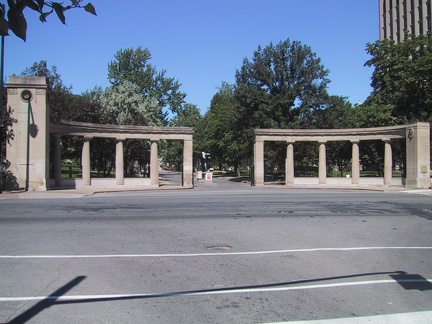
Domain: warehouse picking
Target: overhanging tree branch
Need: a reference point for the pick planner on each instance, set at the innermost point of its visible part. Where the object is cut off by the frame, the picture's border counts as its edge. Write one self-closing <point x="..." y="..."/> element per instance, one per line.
<point x="16" y="22"/>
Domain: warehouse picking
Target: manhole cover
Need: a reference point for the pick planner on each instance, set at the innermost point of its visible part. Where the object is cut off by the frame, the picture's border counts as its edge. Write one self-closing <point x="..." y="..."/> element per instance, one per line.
<point x="219" y="247"/>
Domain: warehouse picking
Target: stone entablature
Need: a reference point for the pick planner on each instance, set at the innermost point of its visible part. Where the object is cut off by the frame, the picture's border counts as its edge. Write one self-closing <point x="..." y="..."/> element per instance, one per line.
<point x="327" y="135"/>
<point x="72" y="128"/>
<point x="417" y="138"/>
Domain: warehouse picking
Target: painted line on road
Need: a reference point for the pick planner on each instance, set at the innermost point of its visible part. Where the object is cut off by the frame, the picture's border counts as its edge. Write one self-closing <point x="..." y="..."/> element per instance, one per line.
<point x="218" y="291"/>
<point x="160" y="255"/>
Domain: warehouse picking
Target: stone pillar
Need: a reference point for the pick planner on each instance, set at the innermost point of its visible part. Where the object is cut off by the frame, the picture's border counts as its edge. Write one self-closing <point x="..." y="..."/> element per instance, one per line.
<point x="85" y="162"/>
<point x="28" y="152"/>
<point x="57" y="160"/>
<point x="388" y="163"/>
<point x="154" y="164"/>
<point x="259" y="162"/>
<point x="418" y="156"/>
<point x="355" y="168"/>
<point x="322" y="170"/>
<point x="188" y="163"/>
<point x="119" y="162"/>
<point x="289" y="165"/>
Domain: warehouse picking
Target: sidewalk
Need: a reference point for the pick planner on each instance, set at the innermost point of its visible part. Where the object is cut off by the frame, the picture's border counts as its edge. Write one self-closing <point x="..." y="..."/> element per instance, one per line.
<point x="170" y="182"/>
<point x="74" y="193"/>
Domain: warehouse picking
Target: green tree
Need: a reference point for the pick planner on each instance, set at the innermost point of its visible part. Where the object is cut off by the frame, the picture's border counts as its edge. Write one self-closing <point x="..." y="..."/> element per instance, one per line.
<point x="220" y="129"/>
<point x="278" y="88"/>
<point x="123" y="104"/>
<point x="131" y="65"/>
<point x="60" y="98"/>
<point x="188" y="116"/>
<point x="375" y="115"/>
<point x="16" y="21"/>
<point x="285" y="82"/>
<point x="403" y="76"/>
<point x="335" y="113"/>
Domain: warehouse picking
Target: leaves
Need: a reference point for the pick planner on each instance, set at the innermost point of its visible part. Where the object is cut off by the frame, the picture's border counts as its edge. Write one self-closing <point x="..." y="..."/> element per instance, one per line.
<point x="4" y="27"/>
<point x="131" y="65"/>
<point x="285" y="79"/>
<point x="59" y="11"/>
<point x="41" y="4"/>
<point x="403" y="76"/>
<point x="43" y="16"/>
<point x="17" y="22"/>
<point x="90" y="8"/>
<point x="32" y="5"/>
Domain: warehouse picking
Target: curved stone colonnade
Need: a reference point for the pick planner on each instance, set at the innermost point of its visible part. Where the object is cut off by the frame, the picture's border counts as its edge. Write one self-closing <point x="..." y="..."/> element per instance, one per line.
<point x="29" y="152"/>
<point x="417" y="151"/>
<point x="120" y="133"/>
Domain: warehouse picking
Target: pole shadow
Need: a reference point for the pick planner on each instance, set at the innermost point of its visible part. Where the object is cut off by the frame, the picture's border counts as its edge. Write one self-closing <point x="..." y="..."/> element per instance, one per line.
<point x="407" y="281"/>
<point x="47" y="302"/>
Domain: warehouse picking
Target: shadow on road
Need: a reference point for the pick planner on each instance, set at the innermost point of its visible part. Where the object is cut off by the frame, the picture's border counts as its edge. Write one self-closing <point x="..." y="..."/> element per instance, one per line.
<point x="47" y="302"/>
<point x="407" y="281"/>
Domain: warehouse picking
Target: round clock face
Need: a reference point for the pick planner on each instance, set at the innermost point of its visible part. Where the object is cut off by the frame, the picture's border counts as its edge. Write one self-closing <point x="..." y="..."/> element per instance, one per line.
<point x="26" y="95"/>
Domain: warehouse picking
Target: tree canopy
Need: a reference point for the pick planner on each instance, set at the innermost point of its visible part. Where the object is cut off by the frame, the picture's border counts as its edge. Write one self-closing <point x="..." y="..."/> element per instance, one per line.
<point x="277" y="88"/>
<point x="220" y="128"/>
<point x="280" y="84"/>
<point x="132" y="65"/>
<point x="403" y="76"/>
<point x="124" y="105"/>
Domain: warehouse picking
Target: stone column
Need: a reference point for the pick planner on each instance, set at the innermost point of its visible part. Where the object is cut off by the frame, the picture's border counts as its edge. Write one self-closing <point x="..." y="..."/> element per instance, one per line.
<point x="289" y="165"/>
<point x="187" y="163"/>
<point x="322" y="170"/>
<point x="355" y="168"/>
<point x="119" y="162"/>
<point x="388" y="163"/>
<point x="154" y="164"/>
<point x="259" y="162"/>
<point x="418" y="156"/>
<point x="85" y="162"/>
<point x="57" y="160"/>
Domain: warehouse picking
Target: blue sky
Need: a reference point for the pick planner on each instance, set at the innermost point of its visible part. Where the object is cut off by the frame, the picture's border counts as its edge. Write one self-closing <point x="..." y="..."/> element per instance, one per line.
<point x="200" y="42"/>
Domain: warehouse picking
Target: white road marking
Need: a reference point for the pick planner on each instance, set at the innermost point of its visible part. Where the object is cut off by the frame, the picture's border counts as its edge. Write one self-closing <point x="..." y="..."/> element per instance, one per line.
<point x="159" y="255"/>
<point x="427" y="192"/>
<point x="405" y="318"/>
<point x="216" y="291"/>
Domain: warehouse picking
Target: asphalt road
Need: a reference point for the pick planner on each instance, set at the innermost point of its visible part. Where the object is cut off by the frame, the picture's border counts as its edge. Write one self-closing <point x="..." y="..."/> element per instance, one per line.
<point x="220" y="253"/>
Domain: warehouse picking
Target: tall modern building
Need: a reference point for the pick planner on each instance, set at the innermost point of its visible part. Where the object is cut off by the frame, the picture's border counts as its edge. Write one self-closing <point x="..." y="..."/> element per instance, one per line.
<point x="400" y="16"/>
